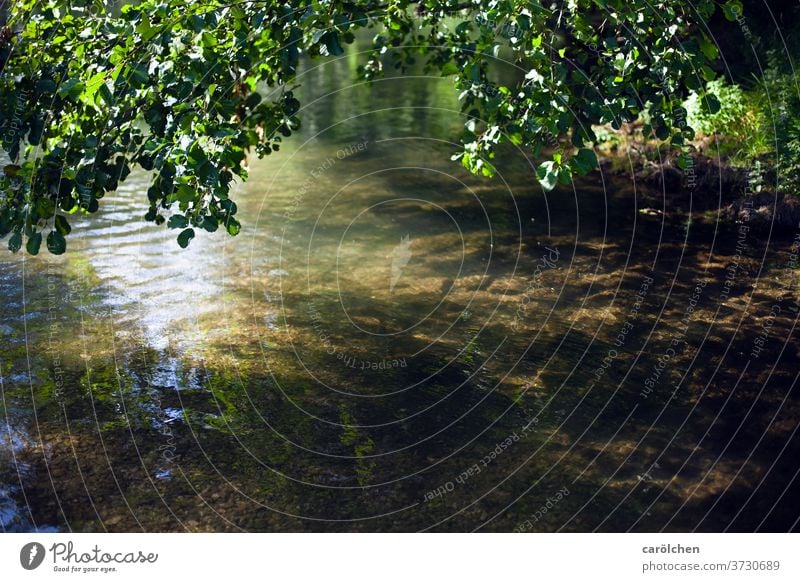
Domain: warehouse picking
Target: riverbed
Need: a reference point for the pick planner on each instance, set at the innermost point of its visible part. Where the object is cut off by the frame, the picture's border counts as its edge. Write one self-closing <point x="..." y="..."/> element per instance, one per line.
<point x="393" y="344"/>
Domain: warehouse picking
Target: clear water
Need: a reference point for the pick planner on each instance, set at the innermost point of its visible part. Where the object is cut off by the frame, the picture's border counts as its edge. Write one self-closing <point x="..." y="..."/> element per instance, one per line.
<point x="394" y="344"/>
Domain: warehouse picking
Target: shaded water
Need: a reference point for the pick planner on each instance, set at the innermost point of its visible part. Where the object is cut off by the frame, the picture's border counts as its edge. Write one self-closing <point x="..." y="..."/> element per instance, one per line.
<point x="394" y="344"/>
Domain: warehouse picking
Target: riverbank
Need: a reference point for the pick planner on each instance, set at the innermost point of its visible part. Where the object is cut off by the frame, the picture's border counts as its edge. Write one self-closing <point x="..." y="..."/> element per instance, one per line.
<point x="708" y="188"/>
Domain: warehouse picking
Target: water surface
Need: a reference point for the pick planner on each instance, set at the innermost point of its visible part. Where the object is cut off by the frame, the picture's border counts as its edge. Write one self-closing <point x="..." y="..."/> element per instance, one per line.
<point x="392" y="344"/>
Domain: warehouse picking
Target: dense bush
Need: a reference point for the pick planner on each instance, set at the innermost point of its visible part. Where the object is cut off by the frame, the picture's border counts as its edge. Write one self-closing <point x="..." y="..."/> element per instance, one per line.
<point x="756" y="127"/>
<point x="738" y="130"/>
<point x="779" y="97"/>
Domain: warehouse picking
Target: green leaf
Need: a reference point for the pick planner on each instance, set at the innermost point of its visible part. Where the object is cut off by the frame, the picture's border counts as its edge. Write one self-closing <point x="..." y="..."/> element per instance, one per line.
<point x="712" y="103"/>
<point x="34" y="242"/>
<point x="341" y="22"/>
<point x="37" y="127"/>
<point x="71" y="88"/>
<point x="291" y="53"/>
<point x="62" y="225"/>
<point x="233" y="226"/>
<point x="15" y="242"/>
<point x="464" y="29"/>
<point x="709" y="48"/>
<point x="332" y="43"/>
<point x="359" y="18"/>
<point x="547" y="175"/>
<point x="56" y="243"/>
<point x="210" y="223"/>
<point x="46" y="86"/>
<point x="252" y="100"/>
<point x="137" y="75"/>
<point x="707" y="73"/>
<point x="92" y="87"/>
<point x="178" y="221"/>
<point x="732" y="10"/>
<point x="105" y="95"/>
<point x="588" y="157"/>
<point x="229" y="206"/>
<point x="564" y="175"/>
<point x="208" y="39"/>
<point x="449" y="68"/>
<point x="185" y="236"/>
<point x="197" y="22"/>
<point x="185" y="193"/>
<point x="145" y="29"/>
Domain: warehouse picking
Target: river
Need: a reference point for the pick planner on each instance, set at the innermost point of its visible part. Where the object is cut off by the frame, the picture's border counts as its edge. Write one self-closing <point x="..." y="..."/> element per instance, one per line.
<point x="393" y="344"/>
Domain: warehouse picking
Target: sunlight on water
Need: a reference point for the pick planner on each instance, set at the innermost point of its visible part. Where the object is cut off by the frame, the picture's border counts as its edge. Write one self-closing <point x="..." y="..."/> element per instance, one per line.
<point x="394" y="344"/>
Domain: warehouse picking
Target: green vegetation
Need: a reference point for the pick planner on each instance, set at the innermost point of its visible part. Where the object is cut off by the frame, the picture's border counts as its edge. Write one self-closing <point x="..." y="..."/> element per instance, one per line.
<point x="187" y="90"/>
<point x="738" y="128"/>
<point x="780" y="102"/>
<point x="757" y="127"/>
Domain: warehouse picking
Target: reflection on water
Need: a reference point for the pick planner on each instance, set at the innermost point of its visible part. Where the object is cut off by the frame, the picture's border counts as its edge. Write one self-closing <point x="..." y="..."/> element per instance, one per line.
<point x="393" y="344"/>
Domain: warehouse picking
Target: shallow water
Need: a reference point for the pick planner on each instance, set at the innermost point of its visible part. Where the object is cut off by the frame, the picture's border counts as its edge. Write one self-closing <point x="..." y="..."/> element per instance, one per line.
<point x="394" y="344"/>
